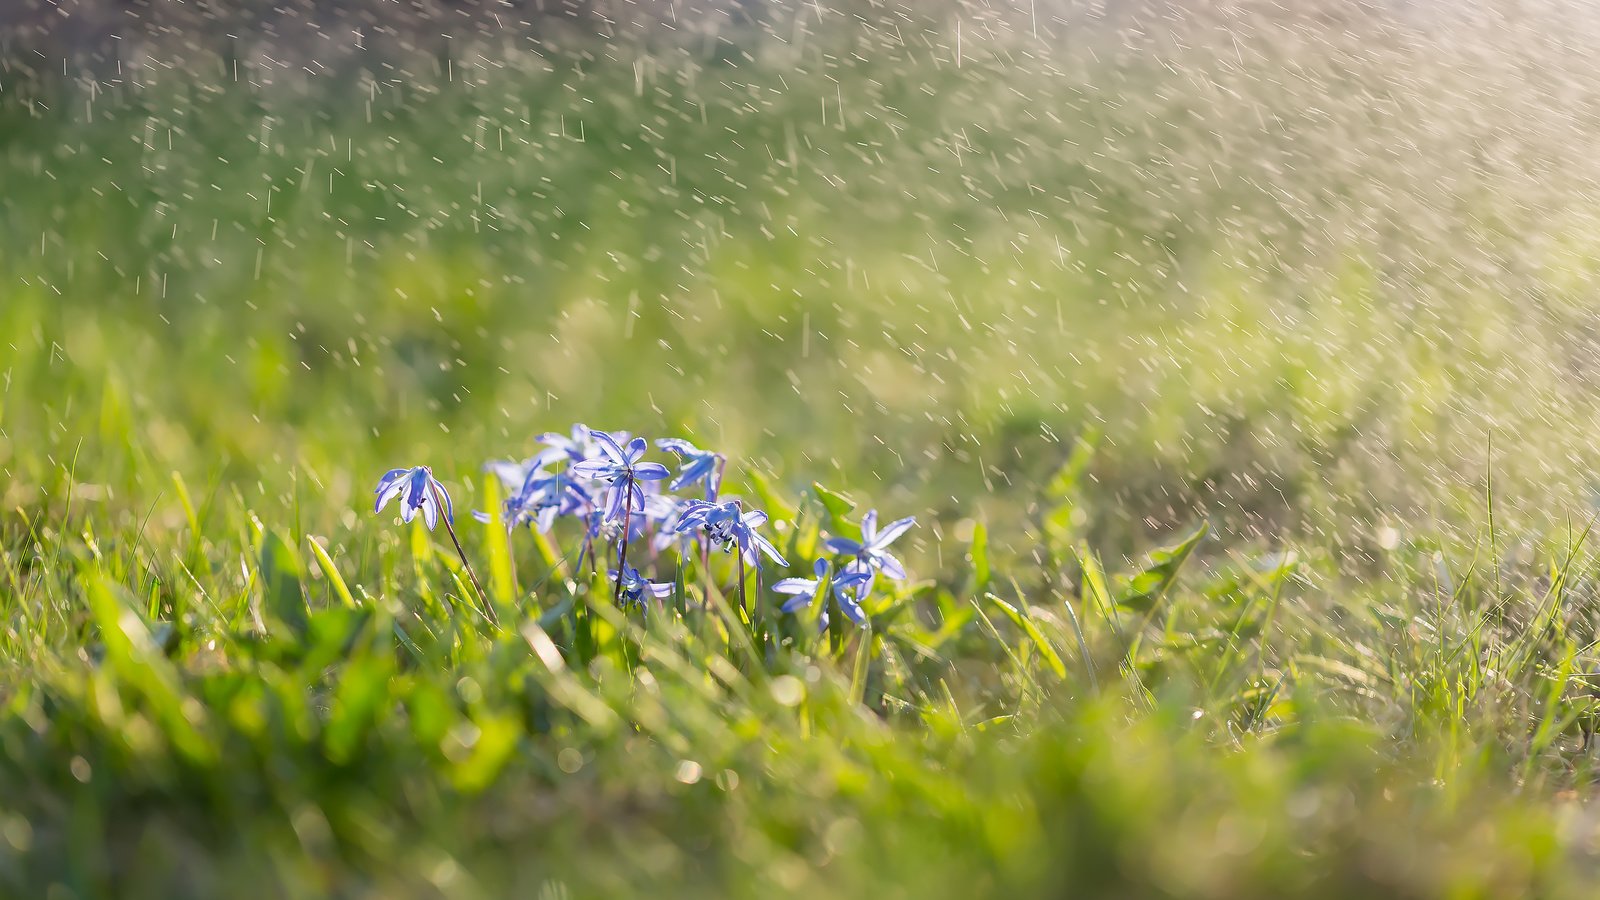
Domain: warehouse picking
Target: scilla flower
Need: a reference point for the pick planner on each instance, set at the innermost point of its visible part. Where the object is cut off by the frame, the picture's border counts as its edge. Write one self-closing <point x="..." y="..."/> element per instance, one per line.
<point x="869" y="554"/>
<point x="515" y="474"/>
<point x="632" y="586"/>
<point x="847" y="587"/>
<point x="729" y="526"/>
<point x="539" y="499"/>
<point x="623" y="468"/>
<point x="579" y="446"/>
<point x="418" y="491"/>
<point x="699" y="466"/>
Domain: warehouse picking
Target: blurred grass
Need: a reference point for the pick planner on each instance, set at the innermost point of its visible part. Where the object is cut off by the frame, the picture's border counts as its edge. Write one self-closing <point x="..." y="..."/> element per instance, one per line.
<point x="1315" y="284"/>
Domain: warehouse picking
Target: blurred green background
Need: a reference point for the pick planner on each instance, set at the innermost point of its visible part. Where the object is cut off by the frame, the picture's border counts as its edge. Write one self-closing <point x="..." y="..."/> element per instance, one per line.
<point x="1299" y="284"/>
<point x="1322" y="278"/>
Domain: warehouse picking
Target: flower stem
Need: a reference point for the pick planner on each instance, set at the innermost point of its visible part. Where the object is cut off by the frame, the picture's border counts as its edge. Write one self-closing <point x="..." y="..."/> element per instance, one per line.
<point x="627" y="525"/>
<point x="738" y="555"/>
<point x="488" y="607"/>
<point x="511" y="560"/>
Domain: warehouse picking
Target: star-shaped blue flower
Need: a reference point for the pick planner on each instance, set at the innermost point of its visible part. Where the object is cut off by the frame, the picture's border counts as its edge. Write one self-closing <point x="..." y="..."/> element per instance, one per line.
<point x="697" y="466"/>
<point x="849" y="588"/>
<point x="623" y="469"/>
<point x="870" y="554"/>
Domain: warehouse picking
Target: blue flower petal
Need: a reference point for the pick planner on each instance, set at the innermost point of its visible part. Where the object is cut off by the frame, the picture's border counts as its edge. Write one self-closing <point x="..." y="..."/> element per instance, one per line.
<point x="592" y="468"/>
<point x="891" y="531"/>
<point x="438" y="492"/>
<point x="807" y="586"/>
<point x="609" y="446"/>
<point x="650" y="471"/>
<point x="389" y="478"/>
<point x="795" y="604"/>
<point x="842" y="546"/>
<point x="395" y="488"/>
<point x="417" y="487"/>
<point x="888" y="565"/>
<point x="765" y="546"/>
<point x="678" y="446"/>
<point x="513" y="474"/>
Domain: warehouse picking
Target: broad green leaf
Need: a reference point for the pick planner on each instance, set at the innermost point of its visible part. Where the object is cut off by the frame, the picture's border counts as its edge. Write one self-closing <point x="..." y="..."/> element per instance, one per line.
<point x="979" y="551"/>
<point x="858" y="673"/>
<point x="498" y="541"/>
<point x="1094" y="580"/>
<point x="361" y="696"/>
<point x="187" y="503"/>
<point x="1143" y="590"/>
<point x="135" y="658"/>
<point x="332" y="636"/>
<point x="495" y="739"/>
<point x="282" y="593"/>
<point x="1040" y="642"/>
<point x="1066" y="478"/>
<point x="430" y="711"/>
<point x="838" y="507"/>
<point x="774" y="504"/>
<point x="331" y="572"/>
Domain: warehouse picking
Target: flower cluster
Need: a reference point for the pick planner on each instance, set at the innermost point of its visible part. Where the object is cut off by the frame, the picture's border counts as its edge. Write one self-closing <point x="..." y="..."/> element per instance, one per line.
<point x="602" y="480"/>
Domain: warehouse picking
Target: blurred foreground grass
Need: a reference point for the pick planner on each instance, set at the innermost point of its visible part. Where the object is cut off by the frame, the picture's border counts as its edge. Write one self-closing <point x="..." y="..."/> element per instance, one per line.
<point x="1329" y="290"/>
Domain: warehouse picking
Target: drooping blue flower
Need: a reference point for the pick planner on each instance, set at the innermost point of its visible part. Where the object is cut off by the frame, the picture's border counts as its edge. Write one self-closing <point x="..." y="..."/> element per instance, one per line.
<point x="635" y="586"/>
<point x="622" y="468"/>
<point x="728" y="526"/>
<point x="849" y="588"/>
<point x="418" y="491"/>
<point x="870" y="554"/>
<point x="697" y="466"/>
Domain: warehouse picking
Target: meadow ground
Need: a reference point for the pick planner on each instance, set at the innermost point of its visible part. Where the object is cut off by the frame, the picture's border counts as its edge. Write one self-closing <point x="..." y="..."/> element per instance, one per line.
<point x="1240" y="373"/>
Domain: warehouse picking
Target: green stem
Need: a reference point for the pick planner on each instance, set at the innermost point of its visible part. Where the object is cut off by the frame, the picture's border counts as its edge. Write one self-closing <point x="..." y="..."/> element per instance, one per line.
<point x="483" y="598"/>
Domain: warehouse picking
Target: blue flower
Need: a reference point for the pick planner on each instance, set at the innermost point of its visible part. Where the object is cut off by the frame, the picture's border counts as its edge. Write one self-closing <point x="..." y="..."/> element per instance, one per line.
<point x="514" y="474"/>
<point x="869" y="555"/>
<point x="540" y="498"/>
<point x="580" y="445"/>
<point x="620" y="467"/>
<point x="848" y="587"/>
<point x="418" y="490"/>
<point x="634" y="586"/>
<point x="698" y="466"/>
<point x="663" y="512"/>
<point x="660" y="510"/>
<point x="729" y="526"/>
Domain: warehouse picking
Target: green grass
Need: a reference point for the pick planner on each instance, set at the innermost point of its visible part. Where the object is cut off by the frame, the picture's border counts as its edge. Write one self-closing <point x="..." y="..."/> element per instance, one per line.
<point x="1066" y="308"/>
